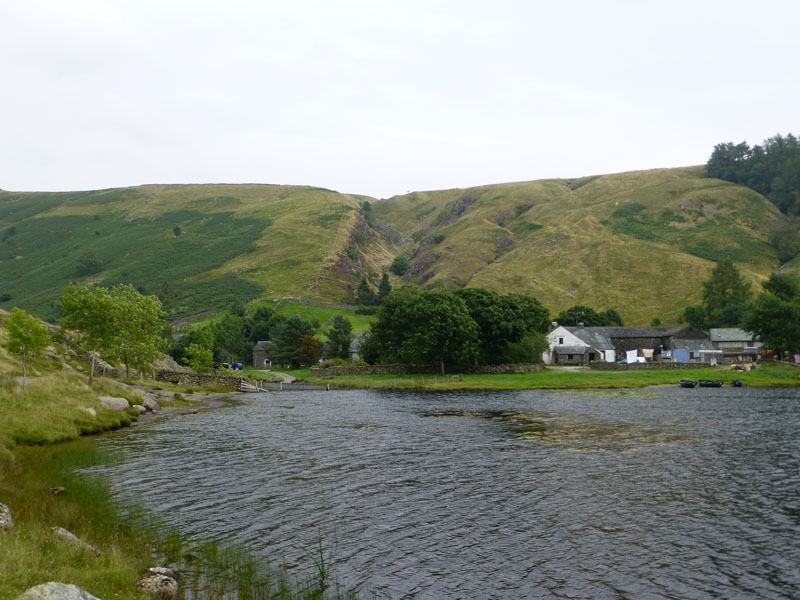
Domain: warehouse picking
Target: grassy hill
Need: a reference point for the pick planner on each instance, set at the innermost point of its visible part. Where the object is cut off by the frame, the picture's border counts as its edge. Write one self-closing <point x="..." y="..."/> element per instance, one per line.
<point x="639" y="242"/>
<point x="198" y="246"/>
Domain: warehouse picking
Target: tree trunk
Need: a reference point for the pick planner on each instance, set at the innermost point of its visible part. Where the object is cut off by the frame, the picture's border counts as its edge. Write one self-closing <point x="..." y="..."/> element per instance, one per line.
<point x="91" y="372"/>
<point x="442" y="363"/>
<point x="127" y="368"/>
<point x="24" y="366"/>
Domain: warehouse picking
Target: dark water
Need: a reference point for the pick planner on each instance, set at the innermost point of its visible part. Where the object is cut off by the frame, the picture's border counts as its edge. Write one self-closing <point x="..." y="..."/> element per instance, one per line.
<point x="660" y="494"/>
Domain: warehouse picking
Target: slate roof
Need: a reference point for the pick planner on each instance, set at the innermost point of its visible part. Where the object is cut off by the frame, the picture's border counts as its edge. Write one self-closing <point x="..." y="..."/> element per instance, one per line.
<point x="730" y="334"/>
<point x="571" y="349"/>
<point x="690" y="345"/>
<point x="592" y="336"/>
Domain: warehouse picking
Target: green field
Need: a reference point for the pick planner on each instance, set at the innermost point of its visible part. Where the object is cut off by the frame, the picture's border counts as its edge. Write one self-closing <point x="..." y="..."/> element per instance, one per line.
<point x="559" y="379"/>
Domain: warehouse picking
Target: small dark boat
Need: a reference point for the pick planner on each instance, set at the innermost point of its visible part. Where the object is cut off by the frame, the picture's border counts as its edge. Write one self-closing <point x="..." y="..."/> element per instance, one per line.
<point x="687" y="383"/>
<point x="736" y="382"/>
<point x="709" y="383"/>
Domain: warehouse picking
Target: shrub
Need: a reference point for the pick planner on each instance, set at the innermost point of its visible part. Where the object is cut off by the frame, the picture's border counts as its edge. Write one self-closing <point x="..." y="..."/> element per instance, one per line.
<point x="399" y="266"/>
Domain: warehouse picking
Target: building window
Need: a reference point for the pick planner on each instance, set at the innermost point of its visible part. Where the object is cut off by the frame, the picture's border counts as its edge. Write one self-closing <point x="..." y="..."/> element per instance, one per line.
<point x="560" y="341"/>
<point x="569" y="356"/>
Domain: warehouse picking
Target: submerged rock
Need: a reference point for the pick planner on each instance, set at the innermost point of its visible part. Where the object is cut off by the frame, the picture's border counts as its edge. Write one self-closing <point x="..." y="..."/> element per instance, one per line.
<point x="56" y="591"/>
<point x="160" y="586"/>
<point x="5" y="518"/>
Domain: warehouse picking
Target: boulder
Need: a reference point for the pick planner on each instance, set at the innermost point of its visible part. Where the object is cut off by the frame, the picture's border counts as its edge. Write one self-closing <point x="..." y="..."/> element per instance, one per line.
<point x="57" y="490"/>
<point x="5" y="518"/>
<point x="56" y="591"/>
<point x="163" y="571"/>
<point x="114" y="403"/>
<point x="150" y="402"/>
<point x="73" y="539"/>
<point x="141" y="409"/>
<point x="159" y="586"/>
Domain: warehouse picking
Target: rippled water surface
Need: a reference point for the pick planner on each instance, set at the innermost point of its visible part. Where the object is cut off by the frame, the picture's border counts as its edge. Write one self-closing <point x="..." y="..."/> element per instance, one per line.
<point x="660" y="494"/>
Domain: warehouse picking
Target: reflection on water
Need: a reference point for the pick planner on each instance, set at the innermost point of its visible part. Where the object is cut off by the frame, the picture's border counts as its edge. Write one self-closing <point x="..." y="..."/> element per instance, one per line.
<point x="534" y="494"/>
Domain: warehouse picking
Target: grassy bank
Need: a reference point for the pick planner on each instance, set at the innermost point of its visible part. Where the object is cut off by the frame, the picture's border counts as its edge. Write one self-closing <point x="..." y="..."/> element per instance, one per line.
<point x="766" y="376"/>
<point x="42" y="444"/>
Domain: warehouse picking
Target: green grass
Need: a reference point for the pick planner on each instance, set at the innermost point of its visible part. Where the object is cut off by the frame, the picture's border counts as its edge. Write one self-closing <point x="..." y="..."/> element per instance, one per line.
<point x="766" y="376"/>
<point x="321" y="315"/>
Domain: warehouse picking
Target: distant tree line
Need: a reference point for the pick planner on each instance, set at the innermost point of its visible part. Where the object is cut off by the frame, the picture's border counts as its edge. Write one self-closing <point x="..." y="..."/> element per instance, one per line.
<point x="772" y="169"/>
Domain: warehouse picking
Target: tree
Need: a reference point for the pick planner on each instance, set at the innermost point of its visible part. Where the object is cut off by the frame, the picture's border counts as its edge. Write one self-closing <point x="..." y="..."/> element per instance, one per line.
<point x="138" y="324"/>
<point x="89" y="310"/>
<point x="230" y="338"/>
<point x="581" y="314"/>
<point x="441" y="331"/>
<point x="288" y="337"/>
<point x="259" y="323"/>
<point x="364" y="294"/>
<point x="198" y="358"/>
<point x="655" y="322"/>
<point x="399" y="266"/>
<point x="694" y="316"/>
<point x="384" y="288"/>
<point x="27" y="335"/>
<point x="310" y="350"/>
<point x="725" y="287"/>
<point x="340" y="337"/>
<point x="612" y="317"/>
<point x="775" y="314"/>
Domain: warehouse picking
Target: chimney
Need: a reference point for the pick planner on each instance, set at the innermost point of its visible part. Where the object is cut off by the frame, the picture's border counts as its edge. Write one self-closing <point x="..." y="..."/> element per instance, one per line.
<point x="580" y="323"/>
<point x="554" y="324"/>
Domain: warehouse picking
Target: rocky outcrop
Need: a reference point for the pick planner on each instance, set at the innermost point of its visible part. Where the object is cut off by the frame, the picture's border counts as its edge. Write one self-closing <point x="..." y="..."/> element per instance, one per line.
<point x="114" y="403"/>
<point x="56" y="591"/>
<point x="150" y="403"/>
<point x="73" y="539"/>
<point x="158" y="585"/>
<point x="5" y="518"/>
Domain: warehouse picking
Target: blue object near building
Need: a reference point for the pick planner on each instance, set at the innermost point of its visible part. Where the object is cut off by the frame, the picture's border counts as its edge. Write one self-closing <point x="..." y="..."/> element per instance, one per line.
<point x="681" y="356"/>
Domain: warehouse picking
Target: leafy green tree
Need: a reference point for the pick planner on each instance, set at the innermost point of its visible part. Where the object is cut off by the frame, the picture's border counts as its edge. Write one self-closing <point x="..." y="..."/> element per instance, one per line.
<point x="198" y="358"/>
<point x="694" y="316"/>
<point x="389" y="331"/>
<point x="655" y="322"/>
<point x="725" y="287"/>
<point x="138" y="322"/>
<point x="340" y="337"/>
<point x="784" y="286"/>
<point x="90" y="310"/>
<point x="399" y="266"/>
<point x="441" y="331"/>
<point x="230" y="338"/>
<point x="202" y="336"/>
<point x="532" y="316"/>
<point x="27" y="335"/>
<point x="612" y="317"/>
<point x="310" y="350"/>
<point x="288" y="338"/>
<point x="384" y="288"/>
<point x="259" y="323"/>
<point x="528" y="350"/>
<point x="581" y="314"/>
<point x="775" y="314"/>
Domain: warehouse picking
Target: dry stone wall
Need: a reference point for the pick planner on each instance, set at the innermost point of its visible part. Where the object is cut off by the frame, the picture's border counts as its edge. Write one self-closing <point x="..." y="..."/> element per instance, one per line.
<point x="199" y="379"/>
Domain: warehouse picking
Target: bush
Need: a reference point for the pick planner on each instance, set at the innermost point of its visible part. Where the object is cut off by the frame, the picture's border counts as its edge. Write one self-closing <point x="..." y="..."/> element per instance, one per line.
<point x="399" y="266"/>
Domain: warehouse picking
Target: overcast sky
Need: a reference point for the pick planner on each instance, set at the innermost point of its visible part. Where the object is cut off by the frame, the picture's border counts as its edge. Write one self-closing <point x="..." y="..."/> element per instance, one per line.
<point x="383" y="97"/>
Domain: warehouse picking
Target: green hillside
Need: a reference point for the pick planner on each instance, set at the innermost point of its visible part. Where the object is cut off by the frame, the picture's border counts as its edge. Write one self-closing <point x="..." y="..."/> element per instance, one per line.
<point x="639" y="242"/>
<point x="198" y="246"/>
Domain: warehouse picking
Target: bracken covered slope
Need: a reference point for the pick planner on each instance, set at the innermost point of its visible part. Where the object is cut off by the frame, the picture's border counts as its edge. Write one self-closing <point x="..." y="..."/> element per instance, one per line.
<point x="639" y="242"/>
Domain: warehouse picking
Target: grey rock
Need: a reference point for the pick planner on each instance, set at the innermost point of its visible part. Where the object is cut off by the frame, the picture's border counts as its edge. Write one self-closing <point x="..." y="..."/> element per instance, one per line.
<point x="114" y="403"/>
<point x="159" y="586"/>
<point x="57" y="490"/>
<point x="6" y="522"/>
<point x="163" y="571"/>
<point x="56" y="591"/>
<point x="71" y="538"/>
<point x="150" y="402"/>
<point x="141" y="409"/>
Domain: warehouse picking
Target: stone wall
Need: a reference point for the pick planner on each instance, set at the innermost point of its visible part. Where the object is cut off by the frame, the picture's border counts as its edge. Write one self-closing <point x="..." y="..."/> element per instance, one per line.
<point x="606" y="366"/>
<point x="199" y="379"/>
<point x="413" y="370"/>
